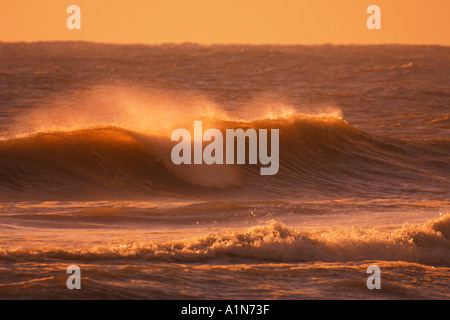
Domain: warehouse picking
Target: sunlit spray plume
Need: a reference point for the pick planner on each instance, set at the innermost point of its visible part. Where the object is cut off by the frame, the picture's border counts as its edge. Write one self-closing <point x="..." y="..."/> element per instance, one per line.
<point x="148" y="111"/>
<point x="271" y="106"/>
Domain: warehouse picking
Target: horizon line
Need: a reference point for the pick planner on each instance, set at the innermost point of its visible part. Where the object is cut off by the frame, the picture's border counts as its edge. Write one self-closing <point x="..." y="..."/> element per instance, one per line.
<point x="224" y="44"/>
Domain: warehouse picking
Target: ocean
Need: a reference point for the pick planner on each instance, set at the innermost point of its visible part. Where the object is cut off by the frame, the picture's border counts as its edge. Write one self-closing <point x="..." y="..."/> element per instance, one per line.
<point x="86" y="176"/>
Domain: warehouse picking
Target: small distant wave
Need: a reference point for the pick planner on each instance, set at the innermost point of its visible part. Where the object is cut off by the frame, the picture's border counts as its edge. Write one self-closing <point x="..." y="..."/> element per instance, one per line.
<point x="275" y="242"/>
<point x="382" y="68"/>
<point x="403" y="66"/>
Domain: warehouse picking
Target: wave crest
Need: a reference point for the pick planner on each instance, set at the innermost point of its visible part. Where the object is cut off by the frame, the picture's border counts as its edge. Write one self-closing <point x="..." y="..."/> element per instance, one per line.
<point x="317" y="154"/>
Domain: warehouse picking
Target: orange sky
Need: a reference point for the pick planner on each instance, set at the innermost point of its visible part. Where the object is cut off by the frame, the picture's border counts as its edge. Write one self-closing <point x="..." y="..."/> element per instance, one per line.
<point x="228" y="21"/>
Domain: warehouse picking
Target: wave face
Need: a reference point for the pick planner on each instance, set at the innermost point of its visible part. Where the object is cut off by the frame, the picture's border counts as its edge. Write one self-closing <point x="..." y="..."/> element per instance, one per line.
<point x="101" y="128"/>
<point x="317" y="155"/>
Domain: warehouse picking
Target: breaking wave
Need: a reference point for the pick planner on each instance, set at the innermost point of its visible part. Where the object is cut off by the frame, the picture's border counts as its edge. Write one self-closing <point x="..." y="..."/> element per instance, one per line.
<point x="275" y="242"/>
<point x="323" y="154"/>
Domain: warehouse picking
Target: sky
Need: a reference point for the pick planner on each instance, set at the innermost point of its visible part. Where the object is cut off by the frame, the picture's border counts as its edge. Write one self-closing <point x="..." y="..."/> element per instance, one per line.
<point x="228" y="21"/>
